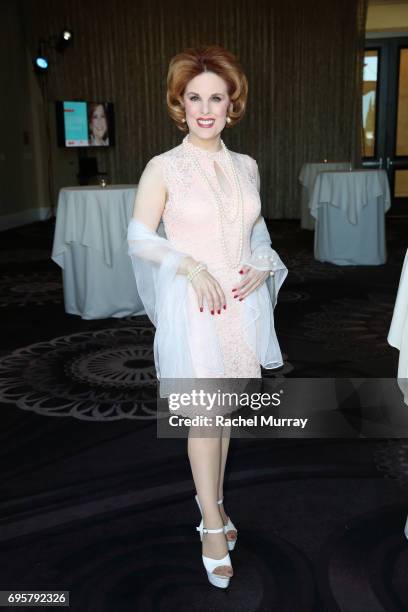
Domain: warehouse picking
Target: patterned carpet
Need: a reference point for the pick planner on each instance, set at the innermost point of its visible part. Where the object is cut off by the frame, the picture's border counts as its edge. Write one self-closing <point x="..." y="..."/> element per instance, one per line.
<point x="93" y="503"/>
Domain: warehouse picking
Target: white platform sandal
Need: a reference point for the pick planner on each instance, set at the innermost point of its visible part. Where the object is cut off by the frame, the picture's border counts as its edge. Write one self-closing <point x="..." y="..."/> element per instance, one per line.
<point x="210" y="564"/>
<point x="228" y="527"/>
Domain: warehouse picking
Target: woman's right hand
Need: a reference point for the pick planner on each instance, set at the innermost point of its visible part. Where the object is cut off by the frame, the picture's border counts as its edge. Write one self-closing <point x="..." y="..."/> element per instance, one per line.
<point x="208" y="288"/>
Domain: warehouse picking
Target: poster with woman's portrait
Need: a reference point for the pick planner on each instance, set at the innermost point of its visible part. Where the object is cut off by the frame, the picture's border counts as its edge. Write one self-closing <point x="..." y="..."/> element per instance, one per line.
<point x="98" y="124"/>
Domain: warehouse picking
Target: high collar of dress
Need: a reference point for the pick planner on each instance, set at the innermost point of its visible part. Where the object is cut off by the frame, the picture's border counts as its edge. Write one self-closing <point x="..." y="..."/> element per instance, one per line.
<point x="202" y="152"/>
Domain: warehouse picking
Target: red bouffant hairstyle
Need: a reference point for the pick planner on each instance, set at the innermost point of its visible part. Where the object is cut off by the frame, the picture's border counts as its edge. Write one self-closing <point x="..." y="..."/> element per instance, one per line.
<point x="191" y="62"/>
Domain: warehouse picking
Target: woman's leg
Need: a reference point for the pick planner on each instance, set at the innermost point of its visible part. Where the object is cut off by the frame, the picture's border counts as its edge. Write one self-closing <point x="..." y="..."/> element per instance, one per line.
<point x="225" y="440"/>
<point x="204" y="453"/>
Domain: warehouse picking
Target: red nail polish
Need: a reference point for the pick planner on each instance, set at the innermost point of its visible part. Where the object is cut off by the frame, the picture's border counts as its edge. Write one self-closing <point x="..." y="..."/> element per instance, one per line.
<point x="241" y="272"/>
<point x="212" y="312"/>
<point x="235" y="296"/>
<point x="233" y="289"/>
<point x="240" y="299"/>
<point x="201" y="309"/>
<point x="225" y="307"/>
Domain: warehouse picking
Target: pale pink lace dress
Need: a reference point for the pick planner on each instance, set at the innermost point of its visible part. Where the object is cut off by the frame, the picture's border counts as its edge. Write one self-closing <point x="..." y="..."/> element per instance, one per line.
<point x="191" y="224"/>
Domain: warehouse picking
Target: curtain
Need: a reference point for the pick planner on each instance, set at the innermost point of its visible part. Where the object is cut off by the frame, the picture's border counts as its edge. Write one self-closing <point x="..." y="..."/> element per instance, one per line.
<point x="303" y="60"/>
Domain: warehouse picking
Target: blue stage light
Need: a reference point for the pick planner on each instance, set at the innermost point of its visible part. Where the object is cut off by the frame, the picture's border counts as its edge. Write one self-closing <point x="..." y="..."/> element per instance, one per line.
<point x="41" y="63"/>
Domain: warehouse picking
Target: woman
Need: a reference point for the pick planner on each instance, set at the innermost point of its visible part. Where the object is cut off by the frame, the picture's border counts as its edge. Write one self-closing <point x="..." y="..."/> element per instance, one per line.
<point x="209" y="287"/>
<point x="98" y="125"/>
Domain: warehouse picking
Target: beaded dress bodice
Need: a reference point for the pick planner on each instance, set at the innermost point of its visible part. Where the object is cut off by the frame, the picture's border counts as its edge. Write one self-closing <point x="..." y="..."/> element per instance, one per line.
<point x="190" y="216"/>
<point x="192" y="225"/>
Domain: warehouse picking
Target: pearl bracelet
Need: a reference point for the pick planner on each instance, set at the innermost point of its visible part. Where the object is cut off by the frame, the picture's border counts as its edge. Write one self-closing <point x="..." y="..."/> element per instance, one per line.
<point x="198" y="268"/>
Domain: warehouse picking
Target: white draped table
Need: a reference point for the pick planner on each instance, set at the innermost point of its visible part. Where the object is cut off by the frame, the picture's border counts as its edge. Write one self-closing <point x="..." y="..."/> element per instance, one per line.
<point x="90" y="245"/>
<point x="349" y="208"/>
<point x="398" y="334"/>
<point x="307" y="177"/>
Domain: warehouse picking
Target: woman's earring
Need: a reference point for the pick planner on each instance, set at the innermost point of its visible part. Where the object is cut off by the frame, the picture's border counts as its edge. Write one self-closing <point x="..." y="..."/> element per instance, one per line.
<point x="183" y="120"/>
<point x="229" y="119"/>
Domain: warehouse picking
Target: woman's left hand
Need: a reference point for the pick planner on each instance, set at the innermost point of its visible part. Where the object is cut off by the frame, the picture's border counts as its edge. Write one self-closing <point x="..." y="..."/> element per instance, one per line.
<point x="252" y="279"/>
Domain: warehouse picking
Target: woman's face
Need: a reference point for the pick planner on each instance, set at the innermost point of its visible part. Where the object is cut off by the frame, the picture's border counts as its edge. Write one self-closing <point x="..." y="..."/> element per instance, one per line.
<point x="206" y="102"/>
<point x="98" y="122"/>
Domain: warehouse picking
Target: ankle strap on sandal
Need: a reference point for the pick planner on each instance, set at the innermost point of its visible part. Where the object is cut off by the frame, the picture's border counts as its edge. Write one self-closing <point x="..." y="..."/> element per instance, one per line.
<point x="205" y="530"/>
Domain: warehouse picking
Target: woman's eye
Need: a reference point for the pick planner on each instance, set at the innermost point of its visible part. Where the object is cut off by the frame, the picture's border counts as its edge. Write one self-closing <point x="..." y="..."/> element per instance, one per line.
<point x="217" y="98"/>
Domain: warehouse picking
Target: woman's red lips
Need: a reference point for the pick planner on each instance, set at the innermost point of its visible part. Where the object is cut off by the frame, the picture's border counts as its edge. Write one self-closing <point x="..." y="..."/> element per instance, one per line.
<point x="205" y="122"/>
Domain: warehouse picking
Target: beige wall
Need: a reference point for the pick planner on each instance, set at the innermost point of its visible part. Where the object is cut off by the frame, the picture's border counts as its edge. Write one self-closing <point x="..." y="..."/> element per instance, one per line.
<point x="387" y="16"/>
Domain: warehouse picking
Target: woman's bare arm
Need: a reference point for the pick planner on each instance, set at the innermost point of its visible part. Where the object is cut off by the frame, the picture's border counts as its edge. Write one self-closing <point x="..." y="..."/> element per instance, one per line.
<point x="150" y="197"/>
<point x="150" y="202"/>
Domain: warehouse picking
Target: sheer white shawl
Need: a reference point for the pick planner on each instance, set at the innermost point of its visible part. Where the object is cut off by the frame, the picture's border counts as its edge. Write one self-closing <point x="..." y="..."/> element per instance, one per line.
<point x="170" y="304"/>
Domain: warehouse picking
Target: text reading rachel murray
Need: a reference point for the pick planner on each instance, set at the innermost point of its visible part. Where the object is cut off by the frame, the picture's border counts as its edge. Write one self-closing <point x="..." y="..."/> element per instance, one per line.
<point x="238" y="421"/>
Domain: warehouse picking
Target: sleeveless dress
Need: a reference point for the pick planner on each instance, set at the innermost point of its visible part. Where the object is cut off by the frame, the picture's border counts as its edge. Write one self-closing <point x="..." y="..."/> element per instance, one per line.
<point x="191" y="224"/>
